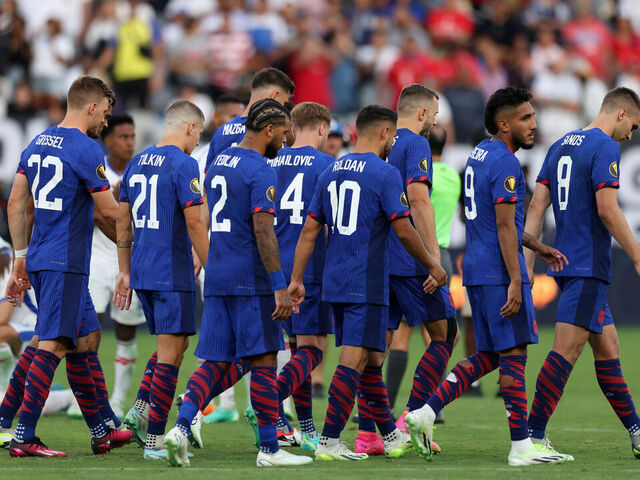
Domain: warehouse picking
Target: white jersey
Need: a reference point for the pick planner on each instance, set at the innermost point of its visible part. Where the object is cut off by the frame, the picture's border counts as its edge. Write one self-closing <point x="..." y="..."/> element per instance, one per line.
<point x="104" y="253"/>
<point x="23" y="319"/>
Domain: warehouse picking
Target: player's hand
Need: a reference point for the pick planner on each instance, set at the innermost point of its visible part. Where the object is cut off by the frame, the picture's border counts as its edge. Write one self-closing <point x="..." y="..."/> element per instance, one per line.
<point x="439" y="275"/>
<point x="20" y="270"/>
<point x="552" y="257"/>
<point x="15" y="292"/>
<point x="514" y="300"/>
<point x="122" y="292"/>
<point x="284" y="305"/>
<point x="297" y="293"/>
<point x="430" y="285"/>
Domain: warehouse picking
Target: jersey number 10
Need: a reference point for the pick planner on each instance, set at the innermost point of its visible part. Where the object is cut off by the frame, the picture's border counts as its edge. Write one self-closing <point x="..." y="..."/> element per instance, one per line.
<point x="338" y="200"/>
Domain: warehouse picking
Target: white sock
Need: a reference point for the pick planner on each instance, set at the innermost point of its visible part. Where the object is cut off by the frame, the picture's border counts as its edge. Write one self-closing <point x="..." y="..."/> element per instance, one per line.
<point x="247" y="384"/>
<point x="154" y="442"/>
<point x="328" y="441"/>
<point x="521" y="445"/>
<point x="7" y="364"/>
<point x="126" y="356"/>
<point x="283" y="357"/>
<point x="228" y="399"/>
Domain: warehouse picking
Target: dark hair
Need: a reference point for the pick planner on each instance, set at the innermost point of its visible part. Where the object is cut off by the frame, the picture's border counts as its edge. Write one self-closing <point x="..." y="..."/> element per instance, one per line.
<point x="272" y="76"/>
<point x="226" y="98"/>
<point x="412" y="96"/>
<point x="114" y="121"/>
<point x="86" y="89"/>
<point x="437" y="139"/>
<point x="266" y="112"/>
<point x="621" y="97"/>
<point x="373" y="115"/>
<point x="503" y="98"/>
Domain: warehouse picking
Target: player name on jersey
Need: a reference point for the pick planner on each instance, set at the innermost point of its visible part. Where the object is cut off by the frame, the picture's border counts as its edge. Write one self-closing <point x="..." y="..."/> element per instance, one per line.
<point x="233" y="128"/>
<point x="50" y="141"/>
<point x="226" y="161"/>
<point x="291" y="160"/>
<point x="574" y="140"/>
<point x="478" y="154"/>
<point x="151" y="159"/>
<point x="349" y="164"/>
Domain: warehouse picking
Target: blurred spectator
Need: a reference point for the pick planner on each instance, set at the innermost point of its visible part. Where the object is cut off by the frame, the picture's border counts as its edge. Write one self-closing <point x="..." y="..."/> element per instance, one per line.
<point x="15" y="50"/>
<point x="337" y="141"/>
<point x="500" y="19"/>
<point x="227" y="108"/>
<point x="344" y="75"/>
<point x="629" y="9"/>
<point x="593" y="88"/>
<point x="53" y="52"/>
<point x="99" y="38"/>
<point x="412" y="66"/>
<point x="362" y="19"/>
<point x="545" y="51"/>
<point x="22" y="108"/>
<point x="626" y="43"/>
<point x="375" y="61"/>
<point x="188" y="62"/>
<point x="467" y="104"/>
<point x="452" y="22"/>
<point x="493" y="75"/>
<point x="550" y="13"/>
<point x="267" y="28"/>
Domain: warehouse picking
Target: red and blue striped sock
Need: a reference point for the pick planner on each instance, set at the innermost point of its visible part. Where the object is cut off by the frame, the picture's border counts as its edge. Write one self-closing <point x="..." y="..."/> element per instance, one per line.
<point x="428" y="373"/>
<point x="552" y="378"/>
<point x="342" y="393"/>
<point x="101" y="390"/>
<point x="296" y="371"/>
<point x="375" y="393"/>
<point x="614" y="387"/>
<point x="198" y="390"/>
<point x="163" y="387"/>
<point x="264" y="400"/>
<point x="84" y="389"/>
<point x="461" y="377"/>
<point x="238" y="370"/>
<point x="366" y="423"/>
<point x="514" y="394"/>
<point x="13" y="398"/>
<point x="36" y="392"/>
<point x="142" y="400"/>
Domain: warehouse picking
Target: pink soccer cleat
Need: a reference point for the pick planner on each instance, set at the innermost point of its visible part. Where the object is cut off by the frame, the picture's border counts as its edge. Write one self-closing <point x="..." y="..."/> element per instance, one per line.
<point x="33" y="448"/>
<point x="113" y="439"/>
<point x="369" y="443"/>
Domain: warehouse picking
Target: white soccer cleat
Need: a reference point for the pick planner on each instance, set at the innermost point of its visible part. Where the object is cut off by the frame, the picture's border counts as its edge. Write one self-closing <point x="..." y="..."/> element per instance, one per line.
<point x="6" y="435"/>
<point x="547" y="444"/>
<point x="420" y="426"/>
<point x="536" y="454"/>
<point x="195" y="439"/>
<point x="337" y="451"/>
<point x="398" y="445"/>
<point x="281" y="458"/>
<point x="176" y="444"/>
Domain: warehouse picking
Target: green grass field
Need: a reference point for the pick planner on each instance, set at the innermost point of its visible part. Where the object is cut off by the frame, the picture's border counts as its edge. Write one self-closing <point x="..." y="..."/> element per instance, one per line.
<point x="474" y="438"/>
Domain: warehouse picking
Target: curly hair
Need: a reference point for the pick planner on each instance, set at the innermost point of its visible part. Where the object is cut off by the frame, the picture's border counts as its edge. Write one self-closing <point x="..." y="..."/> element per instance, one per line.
<point x="503" y="98"/>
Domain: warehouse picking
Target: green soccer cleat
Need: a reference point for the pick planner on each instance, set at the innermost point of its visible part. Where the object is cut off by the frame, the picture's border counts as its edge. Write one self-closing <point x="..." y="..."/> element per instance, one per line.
<point x="175" y="443"/>
<point x="6" y="435"/>
<point x="420" y="426"/>
<point x="151" y="454"/>
<point x="536" y="454"/>
<point x="635" y="444"/>
<point x="138" y="425"/>
<point x="399" y="445"/>
<point x="250" y="417"/>
<point x="547" y="444"/>
<point x="309" y="443"/>
<point x="222" y="415"/>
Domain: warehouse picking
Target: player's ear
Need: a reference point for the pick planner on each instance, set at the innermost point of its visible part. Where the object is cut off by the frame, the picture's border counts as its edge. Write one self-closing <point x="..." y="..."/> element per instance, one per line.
<point x="269" y="130"/>
<point x="92" y="108"/>
<point x="274" y="94"/>
<point x="622" y="112"/>
<point x="503" y="125"/>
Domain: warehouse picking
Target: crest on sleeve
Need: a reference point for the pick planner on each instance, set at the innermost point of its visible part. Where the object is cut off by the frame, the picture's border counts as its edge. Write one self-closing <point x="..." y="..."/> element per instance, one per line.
<point x="195" y="186"/>
<point x="271" y="193"/>
<point x="510" y="184"/>
<point x="613" y="169"/>
<point x="100" y="172"/>
<point x="403" y="200"/>
<point x="424" y="165"/>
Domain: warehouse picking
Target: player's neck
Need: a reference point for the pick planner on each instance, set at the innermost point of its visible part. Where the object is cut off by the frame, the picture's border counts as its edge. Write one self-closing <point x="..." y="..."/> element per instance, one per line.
<point x="366" y="146"/>
<point x="436" y="158"/>
<point x="173" y="138"/>
<point x="74" y="120"/>
<point x="603" y="123"/>
<point x="255" y="97"/>
<point x="250" y="142"/>
<point x="410" y="124"/>
<point x="508" y="141"/>
<point x="307" y="139"/>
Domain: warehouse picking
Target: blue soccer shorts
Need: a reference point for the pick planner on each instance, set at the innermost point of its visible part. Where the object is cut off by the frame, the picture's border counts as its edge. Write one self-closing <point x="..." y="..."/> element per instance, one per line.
<point x="314" y="317"/>
<point x="407" y="297"/>
<point x="361" y="325"/>
<point x="583" y="302"/>
<point x="235" y="327"/>
<point x="495" y="333"/>
<point x="169" y="313"/>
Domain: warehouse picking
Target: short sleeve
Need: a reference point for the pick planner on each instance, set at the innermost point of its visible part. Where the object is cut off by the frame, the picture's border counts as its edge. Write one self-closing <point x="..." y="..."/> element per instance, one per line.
<point x="316" y="209"/>
<point x="263" y="190"/>
<point x="91" y="169"/>
<point x="124" y="187"/>
<point x="605" y="167"/>
<point x="543" y="175"/>
<point x="187" y="183"/>
<point x="418" y="165"/>
<point x="393" y="199"/>
<point x="504" y="179"/>
<point x="22" y="164"/>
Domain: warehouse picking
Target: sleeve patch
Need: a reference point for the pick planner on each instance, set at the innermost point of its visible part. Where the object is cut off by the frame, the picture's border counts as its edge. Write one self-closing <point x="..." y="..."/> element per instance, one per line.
<point x="271" y="193"/>
<point x="613" y="169"/>
<point x="423" y="165"/>
<point x="403" y="200"/>
<point x="100" y="172"/>
<point x="510" y="184"/>
<point x="195" y="186"/>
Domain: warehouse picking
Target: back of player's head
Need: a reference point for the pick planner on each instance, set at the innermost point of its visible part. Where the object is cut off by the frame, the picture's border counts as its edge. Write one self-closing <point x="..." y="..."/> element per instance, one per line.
<point x="114" y="121"/>
<point x="415" y="96"/>
<point x="509" y="97"/>
<point x="266" y="112"/>
<point x="310" y="114"/>
<point x="272" y="77"/>
<point x="437" y="139"/>
<point x="621" y="97"/>
<point x="182" y="113"/>
<point x="85" y="90"/>
<point x="374" y="116"/>
<point x="227" y="98"/>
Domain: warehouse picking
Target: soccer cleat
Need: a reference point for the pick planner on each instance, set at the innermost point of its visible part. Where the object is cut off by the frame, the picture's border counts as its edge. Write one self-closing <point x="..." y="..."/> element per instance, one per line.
<point x="74" y="410"/>
<point x="309" y="443"/>
<point x="33" y="448"/>
<point x="439" y="418"/>
<point x="117" y="409"/>
<point x="338" y="451"/>
<point x="420" y="426"/>
<point x="287" y="406"/>
<point x="175" y="443"/>
<point x="6" y="435"/>
<point x="138" y="426"/>
<point x="291" y="439"/>
<point x="281" y="459"/>
<point x="536" y="454"/>
<point x="250" y="417"/>
<point x="369" y="443"/>
<point x="400" y="423"/>
<point x="221" y="414"/>
<point x="195" y="439"/>
<point x="113" y="439"/>
<point x="547" y="444"/>
<point x="635" y="444"/>
<point x="209" y="409"/>
<point x="397" y="446"/>
<point x="151" y="454"/>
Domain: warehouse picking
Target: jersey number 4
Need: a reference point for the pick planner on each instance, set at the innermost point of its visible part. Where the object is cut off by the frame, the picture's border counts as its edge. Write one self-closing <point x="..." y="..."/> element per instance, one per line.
<point x="40" y="199"/>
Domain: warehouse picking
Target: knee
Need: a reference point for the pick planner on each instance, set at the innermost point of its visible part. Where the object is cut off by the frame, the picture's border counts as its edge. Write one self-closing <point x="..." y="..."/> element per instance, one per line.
<point x="124" y="333"/>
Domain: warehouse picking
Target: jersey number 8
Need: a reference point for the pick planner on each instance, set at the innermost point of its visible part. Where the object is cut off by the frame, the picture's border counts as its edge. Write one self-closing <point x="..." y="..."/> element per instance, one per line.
<point x="564" y="178"/>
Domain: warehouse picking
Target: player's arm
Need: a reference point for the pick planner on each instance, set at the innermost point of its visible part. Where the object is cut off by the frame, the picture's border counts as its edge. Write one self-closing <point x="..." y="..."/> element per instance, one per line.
<point x="18" y="227"/>
<point x="270" y="255"/>
<point x="31" y="218"/>
<point x="508" y="239"/>
<point x="124" y="230"/>
<point x="198" y="231"/>
<point x="304" y="250"/>
<point x="107" y="207"/>
<point x="424" y="218"/>
<point x="611" y="215"/>
<point x="104" y="226"/>
<point x="411" y="241"/>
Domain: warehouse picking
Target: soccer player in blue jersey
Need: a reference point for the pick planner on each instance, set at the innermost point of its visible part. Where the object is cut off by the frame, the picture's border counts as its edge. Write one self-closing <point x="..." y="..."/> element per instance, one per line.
<point x="579" y="177"/>
<point x="360" y="197"/>
<point x="245" y="295"/>
<point x="160" y="196"/>
<point x="495" y="275"/>
<point x="62" y="170"/>
<point x="267" y="83"/>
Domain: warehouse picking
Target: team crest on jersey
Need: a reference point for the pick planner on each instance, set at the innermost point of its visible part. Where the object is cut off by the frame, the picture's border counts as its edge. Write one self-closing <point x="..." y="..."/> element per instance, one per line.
<point x="101" y="173"/>
<point x="403" y="200"/>
<point x="195" y="186"/>
<point x="424" y="165"/>
<point x="613" y="169"/>
<point x="271" y="193"/>
<point x="510" y="184"/>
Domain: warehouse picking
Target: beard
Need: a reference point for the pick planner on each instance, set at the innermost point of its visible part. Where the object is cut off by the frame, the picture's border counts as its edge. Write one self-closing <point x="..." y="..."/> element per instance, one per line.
<point x="385" y="152"/>
<point x="426" y="129"/>
<point x="94" y="132"/>
<point x="271" y="151"/>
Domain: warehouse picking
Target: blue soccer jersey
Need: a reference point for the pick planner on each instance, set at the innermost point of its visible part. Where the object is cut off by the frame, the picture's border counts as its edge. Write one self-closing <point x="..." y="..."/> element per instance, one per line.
<point x="160" y="183"/>
<point x="228" y="135"/>
<point x="411" y="155"/>
<point x="358" y="197"/>
<point x="493" y="175"/>
<point x="576" y="166"/>
<point x="298" y="170"/>
<point x="63" y="166"/>
<point x="238" y="184"/>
